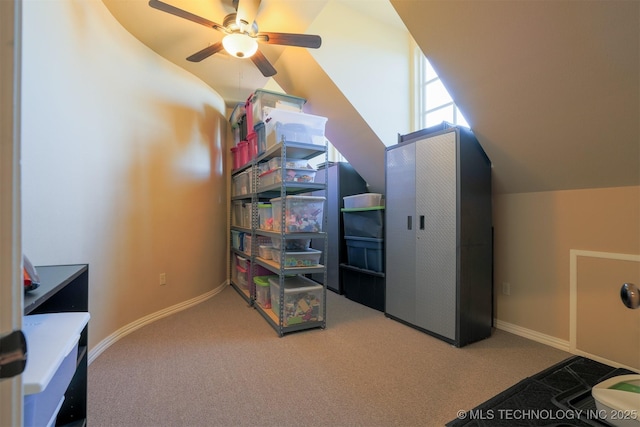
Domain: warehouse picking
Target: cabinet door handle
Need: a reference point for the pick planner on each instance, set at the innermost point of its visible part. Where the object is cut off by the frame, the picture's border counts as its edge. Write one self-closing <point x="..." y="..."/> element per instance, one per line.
<point x="409" y="225"/>
<point x="421" y="222"/>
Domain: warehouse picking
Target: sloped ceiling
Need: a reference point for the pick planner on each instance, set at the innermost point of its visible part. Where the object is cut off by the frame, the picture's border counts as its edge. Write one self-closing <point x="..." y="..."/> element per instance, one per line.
<point x="551" y="89"/>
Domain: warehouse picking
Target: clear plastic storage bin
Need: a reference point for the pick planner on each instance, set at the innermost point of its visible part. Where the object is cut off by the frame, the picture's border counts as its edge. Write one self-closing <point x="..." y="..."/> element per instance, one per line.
<point x="261" y="240"/>
<point x="276" y="163"/>
<point x="306" y="258"/>
<point x="302" y="213"/>
<point x="263" y="290"/>
<point x="236" y="114"/>
<point x="243" y="183"/>
<point x="265" y="251"/>
<point x="265" y="216"/>
<point x="241" y="278"/>
<point x="242" y="274"/>
<point x="365" y="200"/>
<point x="289" y="126"/>
<point x="291" y="244"/>
<point x="265" y="98"/>
<point x="246" y="214"/>
<point x="303" y="300"/>
<point x="236" y="218"/>
<point x="274" y="176"/>
<point x="237" y="239"/>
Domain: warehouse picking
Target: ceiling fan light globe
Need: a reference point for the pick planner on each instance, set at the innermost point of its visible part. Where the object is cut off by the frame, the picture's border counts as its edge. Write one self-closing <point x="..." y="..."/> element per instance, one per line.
<point x="240" y="45"/>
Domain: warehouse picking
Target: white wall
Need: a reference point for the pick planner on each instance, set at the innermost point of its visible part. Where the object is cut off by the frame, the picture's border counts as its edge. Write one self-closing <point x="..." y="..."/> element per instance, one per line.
<point x="123" y="164"/>
<point x="370" y="62"/>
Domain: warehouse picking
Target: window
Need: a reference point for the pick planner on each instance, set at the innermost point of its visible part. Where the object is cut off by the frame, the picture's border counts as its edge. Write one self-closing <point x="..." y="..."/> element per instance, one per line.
<point x="434" y="104"/>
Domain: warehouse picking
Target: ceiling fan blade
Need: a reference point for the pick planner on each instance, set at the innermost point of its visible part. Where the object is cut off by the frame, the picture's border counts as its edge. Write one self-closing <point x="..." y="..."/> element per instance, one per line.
<point x="206" y="52"/>
<point x="246" y="12"/>
<point x="165" y="7"/>
<point x="263" y="64"/>
<point x="301" y="40"/>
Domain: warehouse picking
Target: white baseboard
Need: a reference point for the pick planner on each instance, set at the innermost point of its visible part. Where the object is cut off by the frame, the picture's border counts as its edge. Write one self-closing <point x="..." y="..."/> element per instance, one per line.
<point x="127" y="329"/>
<point x="533" y="335"/>
<point x="556" y="343"/>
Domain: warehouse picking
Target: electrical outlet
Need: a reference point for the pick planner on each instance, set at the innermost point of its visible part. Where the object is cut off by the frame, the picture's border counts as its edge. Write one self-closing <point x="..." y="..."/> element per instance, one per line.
<point x="163" y="279"/>
<point x="506" y="288"/>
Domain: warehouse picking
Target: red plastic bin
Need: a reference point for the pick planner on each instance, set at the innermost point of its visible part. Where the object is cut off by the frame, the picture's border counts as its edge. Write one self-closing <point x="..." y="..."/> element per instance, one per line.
<point x="243" y="153"/>
<point x="236" y="157"/>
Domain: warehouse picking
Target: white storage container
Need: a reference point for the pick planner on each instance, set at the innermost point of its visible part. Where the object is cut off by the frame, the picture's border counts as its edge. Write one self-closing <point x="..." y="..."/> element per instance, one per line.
<point x="263" y="290"/>
<point x="276" y="163"/>
<point x="265" y="251"/>
<point x="237" y="239"/>
<point x="241" y="184"/>
<point x="246" y="244"/>
<point x="263" y="167"/>
<point x="241" y="214"/>
<point x="242" y="278"/>
<point x="246" y="214"/>
<point x="302" y="213"/>
<point x="291" y="244"/>
<point x="365" y="200"/>
<point x="236" y="114"/>
<point x="265" y="216"/>
<point x="238" y="210"/>
<point x="274" y="176"/>
<point x="242" y="262"/>
<point x="302" y="300"/>
<point x="305" y="258"/>
<point x="52" y="342"/>
<point x="282" y="125"/>
<point x="262" y="99"/>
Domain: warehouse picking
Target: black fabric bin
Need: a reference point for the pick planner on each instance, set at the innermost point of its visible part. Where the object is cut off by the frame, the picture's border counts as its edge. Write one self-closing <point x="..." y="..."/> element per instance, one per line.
<point x="363" y="286"/>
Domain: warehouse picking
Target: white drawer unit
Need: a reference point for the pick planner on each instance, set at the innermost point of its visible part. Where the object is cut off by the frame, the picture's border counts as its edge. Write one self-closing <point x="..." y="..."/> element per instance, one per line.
<point x="52" y="349"/>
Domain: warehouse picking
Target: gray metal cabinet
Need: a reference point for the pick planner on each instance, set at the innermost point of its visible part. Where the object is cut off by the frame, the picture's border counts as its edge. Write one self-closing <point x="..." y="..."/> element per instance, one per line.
<point x="439" y="235"/>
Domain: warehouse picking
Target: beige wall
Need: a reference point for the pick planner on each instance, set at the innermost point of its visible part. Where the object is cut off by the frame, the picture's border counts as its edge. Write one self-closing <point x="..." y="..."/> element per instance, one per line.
<point x="366" y="109"/>
<point x="603" y="326"/>
<point x="534" y="233"/>
<point x="123" y="156"/>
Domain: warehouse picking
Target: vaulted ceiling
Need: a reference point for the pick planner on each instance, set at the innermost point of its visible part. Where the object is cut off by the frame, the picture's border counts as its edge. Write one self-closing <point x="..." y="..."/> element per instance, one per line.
<point x="551" y="89"/>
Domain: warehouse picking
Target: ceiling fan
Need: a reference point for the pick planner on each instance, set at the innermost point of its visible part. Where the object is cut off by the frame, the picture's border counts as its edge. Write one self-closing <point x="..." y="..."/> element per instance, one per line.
<point x="241" y="34"/>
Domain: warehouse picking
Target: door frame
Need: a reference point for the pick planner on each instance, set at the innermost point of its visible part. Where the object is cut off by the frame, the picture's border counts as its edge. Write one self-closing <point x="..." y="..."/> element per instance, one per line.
<point x="11" y="292"/>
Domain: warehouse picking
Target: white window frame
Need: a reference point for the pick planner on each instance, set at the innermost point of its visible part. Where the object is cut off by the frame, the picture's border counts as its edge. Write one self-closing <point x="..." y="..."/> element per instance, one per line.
<point x="420" y="83"/>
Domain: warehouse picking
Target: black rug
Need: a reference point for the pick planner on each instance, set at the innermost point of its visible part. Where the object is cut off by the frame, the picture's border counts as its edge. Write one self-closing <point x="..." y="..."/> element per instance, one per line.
<point x="558" y="396"/>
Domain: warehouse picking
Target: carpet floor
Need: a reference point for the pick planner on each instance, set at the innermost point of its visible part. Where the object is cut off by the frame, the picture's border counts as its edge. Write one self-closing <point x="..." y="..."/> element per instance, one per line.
<point x="220" y="364"/>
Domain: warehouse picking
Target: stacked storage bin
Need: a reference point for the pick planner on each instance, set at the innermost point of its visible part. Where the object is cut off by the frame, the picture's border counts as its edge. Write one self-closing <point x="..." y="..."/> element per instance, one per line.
<point x="363" y="275"/>
<point x="242" y="273"/>
<point x="273" y="172"/>
<point x="258" y="106"/>
<point x="239" y="151"/>
<point x="272" y="222"/>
